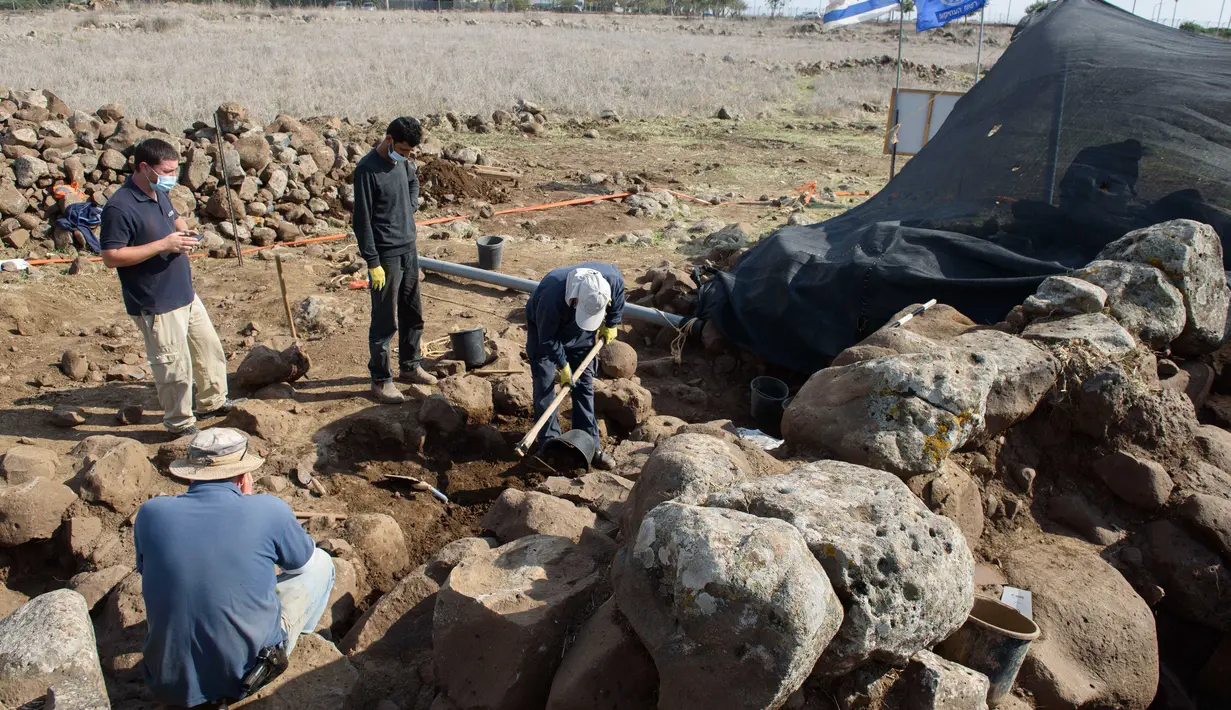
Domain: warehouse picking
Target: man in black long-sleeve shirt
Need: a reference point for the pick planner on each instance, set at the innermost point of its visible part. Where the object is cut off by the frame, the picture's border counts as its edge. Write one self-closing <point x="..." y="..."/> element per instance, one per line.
<point x="386" y="197"/>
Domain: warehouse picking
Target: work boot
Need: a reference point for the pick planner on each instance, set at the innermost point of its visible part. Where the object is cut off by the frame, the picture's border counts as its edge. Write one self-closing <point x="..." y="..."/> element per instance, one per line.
<point x="417" y="376"/>
<point x="222" y="410"/>
<point x="603" y="461"/>
<point x="190" y="430"/>
<point x="387" y="393"/>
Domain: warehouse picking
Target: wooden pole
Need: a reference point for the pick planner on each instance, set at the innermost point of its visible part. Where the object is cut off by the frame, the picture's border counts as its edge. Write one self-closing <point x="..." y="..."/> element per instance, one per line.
<point x="530" y="436"/>
<point x="302" y="515"/>
<point x="979" y="52"/>
<point x="286" y="301"/>
<point x="897" y="86"/>
<point x="226" y="185"/>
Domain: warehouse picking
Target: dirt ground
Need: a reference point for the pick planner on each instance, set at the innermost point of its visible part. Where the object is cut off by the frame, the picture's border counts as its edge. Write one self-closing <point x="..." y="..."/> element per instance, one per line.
<point x="745" y="159"/>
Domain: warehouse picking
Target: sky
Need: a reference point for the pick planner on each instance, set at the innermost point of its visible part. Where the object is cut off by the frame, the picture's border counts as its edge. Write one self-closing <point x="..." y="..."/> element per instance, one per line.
<point x="1203" y="12"/>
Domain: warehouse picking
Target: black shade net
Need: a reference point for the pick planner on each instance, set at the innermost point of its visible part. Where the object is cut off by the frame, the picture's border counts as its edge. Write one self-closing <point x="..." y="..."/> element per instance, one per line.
<point x="1093" y="123"/>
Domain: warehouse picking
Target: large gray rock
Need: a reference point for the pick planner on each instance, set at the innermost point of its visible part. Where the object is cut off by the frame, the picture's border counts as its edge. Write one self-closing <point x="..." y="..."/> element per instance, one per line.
<point x="1190" y="254"/>
<point x="23" y="462"/>
<point x="600" y="491"/>
<point x="1141" y="298"/>
<point x="1025" y="373"/>
<point x="471" y="396"/>
<point x="905" y="574"/>
<point x="606" y="667"/>
<point x="1210" y="516"/>
<point x="902" y="413"/>
<point x="1098" y="646"/>
<point x="684" y="468"/>
<point x="1135" y="479"/>
<point x="392" y="622"/>
<point x="264" y="366"/>
<point x="49" y="641"/>
<point x="623" y="402"/>
<point x="953" y="493"/>
<point x="94" y="586"/>
<point x="929" y="682"/>
<point x="733" y="608"/>
<point x="32" y="510"/>
<point x="1065" y="296"/>
<point x="114" y="472"/>
<point x="122" y="629"/>
<point x="516" y="514"/>
<point x="502" y="619"/>
<point x="1093" y="330"/>
<point x="380" y="543"/>
<point x="28" y="169"/>
<point x="1196" y="578"/>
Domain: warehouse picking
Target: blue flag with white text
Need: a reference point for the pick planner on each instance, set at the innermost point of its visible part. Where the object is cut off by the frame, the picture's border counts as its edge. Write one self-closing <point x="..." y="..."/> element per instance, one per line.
<point x="938" y="13"/>
<point x="848" y="12"/>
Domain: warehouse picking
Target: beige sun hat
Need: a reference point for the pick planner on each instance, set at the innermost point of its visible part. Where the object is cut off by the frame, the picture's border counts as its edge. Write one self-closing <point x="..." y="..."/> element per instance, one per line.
<point x="215" y="455"/>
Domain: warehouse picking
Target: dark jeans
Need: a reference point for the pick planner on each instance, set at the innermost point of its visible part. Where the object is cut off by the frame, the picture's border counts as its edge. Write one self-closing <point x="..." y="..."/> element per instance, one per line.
<point x="543" y="373"/>
<point x="396" y="308"/>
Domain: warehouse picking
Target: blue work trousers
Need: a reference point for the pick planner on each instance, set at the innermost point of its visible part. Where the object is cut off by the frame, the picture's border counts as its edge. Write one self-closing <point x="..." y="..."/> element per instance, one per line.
<point x="543" y="371"/>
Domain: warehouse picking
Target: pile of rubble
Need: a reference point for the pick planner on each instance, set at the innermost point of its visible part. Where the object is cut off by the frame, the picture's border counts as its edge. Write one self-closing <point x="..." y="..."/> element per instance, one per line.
<point x="929" y="72"/>
<point x="284" y="180"/>
<point x="1059" y="451"/>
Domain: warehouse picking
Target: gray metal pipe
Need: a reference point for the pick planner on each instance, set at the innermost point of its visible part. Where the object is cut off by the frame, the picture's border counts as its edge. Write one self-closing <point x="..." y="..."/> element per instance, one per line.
<point x="495" y="278"/>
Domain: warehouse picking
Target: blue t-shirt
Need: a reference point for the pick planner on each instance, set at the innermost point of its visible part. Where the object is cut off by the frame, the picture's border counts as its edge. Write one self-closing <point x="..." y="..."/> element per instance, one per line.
<point x="161" y="283"/>
<point x="207" y="560"/>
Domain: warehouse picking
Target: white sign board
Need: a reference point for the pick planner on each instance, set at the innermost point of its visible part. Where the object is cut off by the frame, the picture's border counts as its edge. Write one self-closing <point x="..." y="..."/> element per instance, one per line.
<point x="915" y="115"/>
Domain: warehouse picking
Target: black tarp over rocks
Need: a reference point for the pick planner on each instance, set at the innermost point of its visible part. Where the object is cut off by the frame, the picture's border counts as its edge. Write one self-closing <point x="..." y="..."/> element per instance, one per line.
<point x="1093" y="123"/>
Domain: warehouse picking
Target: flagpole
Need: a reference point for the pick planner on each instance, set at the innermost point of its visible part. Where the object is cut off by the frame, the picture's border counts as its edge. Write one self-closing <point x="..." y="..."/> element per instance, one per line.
<point x="897" y="84"/>
<point x="979" y="53"/>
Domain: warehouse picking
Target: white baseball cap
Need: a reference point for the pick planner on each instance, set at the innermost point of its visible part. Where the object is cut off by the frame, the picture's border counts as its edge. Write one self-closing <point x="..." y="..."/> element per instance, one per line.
<point x="592" y="293"/>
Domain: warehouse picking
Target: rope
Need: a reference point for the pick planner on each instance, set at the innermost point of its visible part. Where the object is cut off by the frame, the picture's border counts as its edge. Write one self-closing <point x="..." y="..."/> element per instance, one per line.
<point x="681" y="336"/>
<point x="436" y="348"/>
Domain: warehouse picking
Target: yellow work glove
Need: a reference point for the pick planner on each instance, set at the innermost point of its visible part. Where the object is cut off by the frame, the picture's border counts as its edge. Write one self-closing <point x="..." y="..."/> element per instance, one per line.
<point x="376" y="276"/>
<point x="607" y="334"/>
<point x="564" y="376"/>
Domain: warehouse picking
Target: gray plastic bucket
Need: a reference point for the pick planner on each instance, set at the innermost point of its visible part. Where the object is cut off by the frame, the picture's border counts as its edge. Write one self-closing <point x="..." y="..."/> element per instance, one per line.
<point x="491" y="252"/>
<point x="768" y="395"/>
<point x="468" y="347"/>
<point x="993" y="641"/>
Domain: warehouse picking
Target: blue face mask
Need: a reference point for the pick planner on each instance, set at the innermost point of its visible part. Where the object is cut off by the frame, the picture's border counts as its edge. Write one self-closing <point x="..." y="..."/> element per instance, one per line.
<point x="165" y="183"/>
<point x="396" y="157"/>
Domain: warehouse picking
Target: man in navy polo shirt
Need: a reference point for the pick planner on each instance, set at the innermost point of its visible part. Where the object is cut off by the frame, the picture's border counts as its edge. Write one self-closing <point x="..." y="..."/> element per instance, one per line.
<point x="147" y="242"/>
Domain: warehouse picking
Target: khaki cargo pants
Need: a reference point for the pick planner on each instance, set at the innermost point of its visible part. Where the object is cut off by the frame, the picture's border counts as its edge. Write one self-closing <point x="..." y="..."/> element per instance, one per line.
<point x="184" y="353"/>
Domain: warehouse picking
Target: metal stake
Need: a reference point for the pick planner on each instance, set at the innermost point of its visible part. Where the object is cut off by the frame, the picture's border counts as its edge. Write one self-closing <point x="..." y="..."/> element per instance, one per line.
<point x="979" y="53"/>
<point x="226" y="185"/>
<point x="897" y="84"/>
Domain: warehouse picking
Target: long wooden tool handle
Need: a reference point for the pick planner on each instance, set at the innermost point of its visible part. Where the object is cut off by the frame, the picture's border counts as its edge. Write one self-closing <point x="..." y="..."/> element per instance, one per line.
<point x="286" y="301"/>
<point x="531" y="435"/>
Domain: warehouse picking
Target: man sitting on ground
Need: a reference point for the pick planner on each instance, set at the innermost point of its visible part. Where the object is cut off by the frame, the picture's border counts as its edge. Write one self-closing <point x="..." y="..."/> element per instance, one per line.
<point x="214" y="602"/>
<point x="572" y="307"/>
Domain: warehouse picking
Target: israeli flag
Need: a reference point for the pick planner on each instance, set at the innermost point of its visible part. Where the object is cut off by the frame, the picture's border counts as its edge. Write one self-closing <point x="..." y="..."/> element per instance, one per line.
<point x="848" y="12"/>
<point x="938" y="13"/>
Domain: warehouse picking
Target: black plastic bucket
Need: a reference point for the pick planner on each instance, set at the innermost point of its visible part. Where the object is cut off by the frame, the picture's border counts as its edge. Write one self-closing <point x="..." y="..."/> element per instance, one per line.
<point x="491" y="252"/>
<point x="468" y="347"/>
<point x="768" y="395"/>
<point x="572" y="450"/>
<point x="993" y="641"/>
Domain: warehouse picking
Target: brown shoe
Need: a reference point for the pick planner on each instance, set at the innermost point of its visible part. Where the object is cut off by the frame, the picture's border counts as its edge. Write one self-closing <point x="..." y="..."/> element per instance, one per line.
<point x="417" y="376"/>
<point x="387" y="393"/>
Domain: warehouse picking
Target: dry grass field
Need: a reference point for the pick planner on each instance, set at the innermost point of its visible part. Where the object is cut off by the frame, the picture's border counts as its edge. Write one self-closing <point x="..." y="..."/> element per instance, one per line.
<point x="174" y="64"/>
